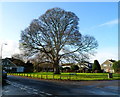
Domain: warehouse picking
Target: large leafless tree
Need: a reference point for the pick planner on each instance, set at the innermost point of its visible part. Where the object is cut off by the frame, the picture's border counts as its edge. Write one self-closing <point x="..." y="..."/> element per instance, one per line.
<point x="18" y="56"/>
<point x="56" y="34"/>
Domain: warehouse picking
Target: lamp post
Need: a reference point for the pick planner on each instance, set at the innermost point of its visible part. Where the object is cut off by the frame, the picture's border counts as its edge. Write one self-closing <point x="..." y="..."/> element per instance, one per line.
<point x="2" y="48"/>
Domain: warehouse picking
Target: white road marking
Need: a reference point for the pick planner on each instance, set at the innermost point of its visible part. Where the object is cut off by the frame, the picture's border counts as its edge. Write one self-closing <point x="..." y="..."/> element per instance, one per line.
<point x="35" y="90"/>
<point x="41" y="92"/>
<point x="28" y="89"/>
<point x="35" y="93"/>
<point x="48" y="94"/>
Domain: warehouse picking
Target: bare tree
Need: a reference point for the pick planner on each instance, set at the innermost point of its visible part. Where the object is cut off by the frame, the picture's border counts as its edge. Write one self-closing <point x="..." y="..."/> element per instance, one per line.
<point x="17" y="56"/>
<point x="56" y="34"/>
<point x="38" y="59"/>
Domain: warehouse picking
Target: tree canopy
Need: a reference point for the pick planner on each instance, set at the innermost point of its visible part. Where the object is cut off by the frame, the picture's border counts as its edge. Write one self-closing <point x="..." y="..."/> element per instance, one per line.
<point x="116" y="66"/>
<point x="74" y="67"/>
<point x="56" y="35"/>
<point x="96" y="66"/>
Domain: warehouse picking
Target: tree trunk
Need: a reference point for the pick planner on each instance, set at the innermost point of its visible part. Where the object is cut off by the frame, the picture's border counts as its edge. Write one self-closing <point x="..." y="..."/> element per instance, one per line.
<point x="56" y="68"/>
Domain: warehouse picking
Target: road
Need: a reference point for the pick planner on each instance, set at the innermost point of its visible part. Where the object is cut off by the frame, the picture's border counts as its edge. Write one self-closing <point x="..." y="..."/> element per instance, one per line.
<point x="16" y="86"/>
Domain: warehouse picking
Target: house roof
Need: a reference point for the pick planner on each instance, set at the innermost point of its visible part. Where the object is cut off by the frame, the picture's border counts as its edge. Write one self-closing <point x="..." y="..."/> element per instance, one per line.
<point x="13" y="62"/>
<point x="67" y="64"/>
<point x="46" y="65"/>
<point x="112" y="60"/>
<point x="7" y="63"/>
<point x="108" y="62"/>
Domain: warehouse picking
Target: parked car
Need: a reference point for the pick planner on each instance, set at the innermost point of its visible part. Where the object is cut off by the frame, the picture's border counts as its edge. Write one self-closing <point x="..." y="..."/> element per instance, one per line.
<point x="4" y="74"/>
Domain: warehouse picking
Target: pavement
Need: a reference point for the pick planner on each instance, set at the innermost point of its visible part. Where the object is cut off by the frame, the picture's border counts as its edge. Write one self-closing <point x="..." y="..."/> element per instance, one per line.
<point x="15" y="86"/>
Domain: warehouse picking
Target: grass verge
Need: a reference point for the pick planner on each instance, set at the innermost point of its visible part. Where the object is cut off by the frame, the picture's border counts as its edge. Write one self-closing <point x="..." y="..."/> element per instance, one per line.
<point x="69" y="76"/>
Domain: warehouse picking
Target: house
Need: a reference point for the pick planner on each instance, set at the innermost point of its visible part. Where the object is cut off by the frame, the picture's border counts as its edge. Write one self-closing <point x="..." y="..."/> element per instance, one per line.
<point x="107" y="66"/>
<point x="67" y="65"/>
<point x="43" y="66"/>
<point x="85" y="64"/>
<point x="16" y="65"/>
<point x="29" y="67"/>
<point x="46" y="66"/>
<point x="9" y="64"/>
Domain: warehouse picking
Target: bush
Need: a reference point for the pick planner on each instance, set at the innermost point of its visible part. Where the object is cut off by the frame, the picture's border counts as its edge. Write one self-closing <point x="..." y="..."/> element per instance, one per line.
<point x="116" y="66"/>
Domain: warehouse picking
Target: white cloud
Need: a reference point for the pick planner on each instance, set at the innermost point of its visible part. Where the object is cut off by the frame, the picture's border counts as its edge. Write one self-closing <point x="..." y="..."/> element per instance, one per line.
<point x="113" y="22"/>
<point x="109" y="23"/>
<point x="106" y="53"/>
<point x="11" y="48"/>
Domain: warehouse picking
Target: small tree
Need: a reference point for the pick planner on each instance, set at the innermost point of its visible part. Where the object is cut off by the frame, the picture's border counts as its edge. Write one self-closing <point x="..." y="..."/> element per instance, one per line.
<point x="116" y="66"/>
<point x="74" y="67"/>
<point x="96" y="66"/>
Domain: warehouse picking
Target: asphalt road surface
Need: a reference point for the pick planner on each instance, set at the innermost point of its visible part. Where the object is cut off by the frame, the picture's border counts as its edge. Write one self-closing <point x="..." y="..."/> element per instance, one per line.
<point x="16" y="86"/>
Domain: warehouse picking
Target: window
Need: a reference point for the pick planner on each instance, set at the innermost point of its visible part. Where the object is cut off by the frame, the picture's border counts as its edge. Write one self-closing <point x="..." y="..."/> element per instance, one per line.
<point x="104" y="65"/>
<point x="110" y="65"/>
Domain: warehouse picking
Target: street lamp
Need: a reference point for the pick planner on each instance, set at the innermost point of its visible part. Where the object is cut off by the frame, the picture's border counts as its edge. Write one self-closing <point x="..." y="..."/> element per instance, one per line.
<point x="2" y="48"/>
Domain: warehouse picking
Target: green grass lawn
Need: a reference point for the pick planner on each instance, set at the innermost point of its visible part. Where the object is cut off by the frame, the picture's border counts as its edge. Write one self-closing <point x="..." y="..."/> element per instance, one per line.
<point x="69" y="76"/>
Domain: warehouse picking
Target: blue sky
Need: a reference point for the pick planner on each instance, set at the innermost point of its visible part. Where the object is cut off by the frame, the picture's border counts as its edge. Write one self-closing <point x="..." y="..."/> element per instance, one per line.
<point x="98" y="19"/>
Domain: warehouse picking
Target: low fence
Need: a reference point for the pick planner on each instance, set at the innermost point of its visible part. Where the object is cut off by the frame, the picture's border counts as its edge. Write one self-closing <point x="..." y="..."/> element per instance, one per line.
<point x="43" y="76"/>
<point x="70" y="76"/>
